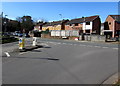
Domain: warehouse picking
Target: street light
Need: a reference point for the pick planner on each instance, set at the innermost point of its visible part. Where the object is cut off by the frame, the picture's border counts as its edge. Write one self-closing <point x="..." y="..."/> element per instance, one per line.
<point x="5" y="22"/>
<point x="60" y="15"/>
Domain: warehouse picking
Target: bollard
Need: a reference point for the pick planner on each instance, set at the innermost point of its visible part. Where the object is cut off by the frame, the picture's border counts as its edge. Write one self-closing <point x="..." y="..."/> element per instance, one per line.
<point x="21" y="43"/>
<point x="34" y="41"/>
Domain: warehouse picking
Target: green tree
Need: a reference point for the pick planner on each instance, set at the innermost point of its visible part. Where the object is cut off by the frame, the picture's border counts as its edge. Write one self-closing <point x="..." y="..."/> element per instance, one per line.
<point x="27" y="23"/>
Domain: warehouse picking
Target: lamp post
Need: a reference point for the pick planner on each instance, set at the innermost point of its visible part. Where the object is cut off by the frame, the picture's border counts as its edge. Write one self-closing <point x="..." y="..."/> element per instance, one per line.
<point x="60" y="15"/>
<point x="5" y="23"/>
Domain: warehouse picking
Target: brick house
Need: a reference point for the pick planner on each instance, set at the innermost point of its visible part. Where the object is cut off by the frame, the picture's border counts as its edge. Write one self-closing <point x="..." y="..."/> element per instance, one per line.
<point x="112" y="25"/>
<point x="39" y="26"/>
<point x="85" y="25"/>
<point x="55" y="25"/>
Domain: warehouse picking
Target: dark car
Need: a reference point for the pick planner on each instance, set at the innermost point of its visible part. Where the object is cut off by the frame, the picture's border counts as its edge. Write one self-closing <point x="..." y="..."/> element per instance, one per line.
<point x="20" y="34"/>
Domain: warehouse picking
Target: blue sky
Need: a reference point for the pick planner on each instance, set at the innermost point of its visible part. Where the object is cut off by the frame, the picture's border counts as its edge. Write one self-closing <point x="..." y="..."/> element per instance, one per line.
<point x="50" y="10"/>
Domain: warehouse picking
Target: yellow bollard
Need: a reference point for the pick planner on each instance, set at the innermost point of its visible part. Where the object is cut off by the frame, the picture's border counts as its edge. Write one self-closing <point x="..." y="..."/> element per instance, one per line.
<point x="21" y="43"/>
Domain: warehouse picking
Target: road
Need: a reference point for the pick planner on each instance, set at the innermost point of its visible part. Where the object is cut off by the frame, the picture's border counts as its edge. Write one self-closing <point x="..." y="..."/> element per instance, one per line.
<point x="62" y="62"/>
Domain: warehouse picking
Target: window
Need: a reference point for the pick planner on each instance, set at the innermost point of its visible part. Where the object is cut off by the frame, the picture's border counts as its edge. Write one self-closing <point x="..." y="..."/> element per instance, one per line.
<point x="109" y="23"/>
<point x="76" y="24"/>
<point x="87" y="23"/>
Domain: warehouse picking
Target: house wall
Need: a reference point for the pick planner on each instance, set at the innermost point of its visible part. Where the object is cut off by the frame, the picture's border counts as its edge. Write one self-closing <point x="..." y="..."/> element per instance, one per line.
<point x="96" y="26"/>
<point x="117" y="26"/>
<point x="87" y="27"/>
<point x="73" y="27"/>
<point x="117" y="29"/>
<point x="102" y="29"/>
<point x="36" y="27"/>
<point x="111" y="24"/>
<point x="44" y="28"/>
<point x="55" y="27"/>
<point x="68" y="27"/>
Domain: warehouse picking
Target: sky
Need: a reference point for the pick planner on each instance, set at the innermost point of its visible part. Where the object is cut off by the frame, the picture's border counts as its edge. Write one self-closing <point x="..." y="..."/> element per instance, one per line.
<point x="54" y="11"/>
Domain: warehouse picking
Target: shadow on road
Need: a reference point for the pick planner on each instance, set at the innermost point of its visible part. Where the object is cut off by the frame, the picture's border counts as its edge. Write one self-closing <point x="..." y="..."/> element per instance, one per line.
<point x="46" y="58"/>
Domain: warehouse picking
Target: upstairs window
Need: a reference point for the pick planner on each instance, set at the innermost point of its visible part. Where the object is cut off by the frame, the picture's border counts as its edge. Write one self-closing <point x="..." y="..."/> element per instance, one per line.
<point x="76" y="24"/>
<point x="109" y="23"/>
<point x="87" y="23"/>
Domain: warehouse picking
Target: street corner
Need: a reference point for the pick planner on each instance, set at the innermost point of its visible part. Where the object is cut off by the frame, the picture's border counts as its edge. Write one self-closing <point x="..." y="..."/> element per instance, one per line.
<point x="111" y="80"/>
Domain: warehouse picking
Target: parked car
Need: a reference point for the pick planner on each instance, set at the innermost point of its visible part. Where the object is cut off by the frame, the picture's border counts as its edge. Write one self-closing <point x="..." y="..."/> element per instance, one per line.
<point x="27" y="35"/>
<point x="16" y="33"/>
<point x="20" y="34"/>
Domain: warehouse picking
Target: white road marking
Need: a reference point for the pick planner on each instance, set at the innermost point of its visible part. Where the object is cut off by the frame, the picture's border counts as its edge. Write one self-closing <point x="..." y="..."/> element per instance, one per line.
<point x="58" y="43"/>
<point x="82" y="45"/>
<point x="97" y="46"/>
<point x="104" y="47"/>
<point x="23" y="53"/>
<point x="115" y="48"/>
<point x="63" y="43"/>
<point x="8" y="55"/>
<point x="89" y="46"/>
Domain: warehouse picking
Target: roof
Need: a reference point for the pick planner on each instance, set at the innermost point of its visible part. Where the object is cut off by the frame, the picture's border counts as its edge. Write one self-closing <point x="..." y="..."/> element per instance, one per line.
<point x="81" y="20"/>
<point x="41" y="23"/>
<point x="55" y="23"/>
<point x="115" y="17"/>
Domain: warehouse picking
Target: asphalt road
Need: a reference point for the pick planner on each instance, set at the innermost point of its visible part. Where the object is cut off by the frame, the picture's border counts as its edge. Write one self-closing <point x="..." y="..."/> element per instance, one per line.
<point x="62" y="62"/>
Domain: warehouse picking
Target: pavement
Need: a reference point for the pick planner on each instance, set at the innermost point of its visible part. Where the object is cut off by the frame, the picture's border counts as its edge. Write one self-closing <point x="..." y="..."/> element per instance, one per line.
<point x="113" y="79"/>
<point x="63" y="62"/>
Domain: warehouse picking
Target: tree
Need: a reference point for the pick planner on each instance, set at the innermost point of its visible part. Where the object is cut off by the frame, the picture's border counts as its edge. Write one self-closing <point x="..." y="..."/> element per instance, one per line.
<point x="13" y="25"/>
<point x="39" y="20"/>
<point x="27" y="23"/>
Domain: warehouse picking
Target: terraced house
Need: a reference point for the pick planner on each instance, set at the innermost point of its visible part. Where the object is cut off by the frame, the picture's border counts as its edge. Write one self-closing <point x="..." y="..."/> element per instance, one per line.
<point x="88" y="25"/>
<point x="39" y="26"/>
<point x="55" y="25"/>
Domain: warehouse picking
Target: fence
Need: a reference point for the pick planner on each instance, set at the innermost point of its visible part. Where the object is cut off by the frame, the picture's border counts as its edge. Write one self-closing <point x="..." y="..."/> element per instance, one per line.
<point x="65" y="33"/>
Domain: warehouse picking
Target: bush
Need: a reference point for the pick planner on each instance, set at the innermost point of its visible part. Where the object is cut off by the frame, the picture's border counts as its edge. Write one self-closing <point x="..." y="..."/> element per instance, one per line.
<point x="8" y="40"/>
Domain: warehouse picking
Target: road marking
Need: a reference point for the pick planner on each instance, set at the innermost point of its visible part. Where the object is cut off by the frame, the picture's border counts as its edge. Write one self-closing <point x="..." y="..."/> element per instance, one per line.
<point x="89" y="46"/>
<point x="23" y="53"/>
<point x="63" y="43"/>
<point x="58" y="43"/>
<point x="115" y="48"/>
<point x="82" y="45"/>
<point x="97" y="46"/>
<point x="8" y="55"/>
<point x="104" y="47"/>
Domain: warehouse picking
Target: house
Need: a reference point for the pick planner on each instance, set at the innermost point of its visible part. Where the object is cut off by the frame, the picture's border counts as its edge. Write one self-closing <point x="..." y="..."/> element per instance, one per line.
<point x="112" y="26"/>
<point x="55" y="25"/>
<point x="39" y="25"/>
<point x="102" y="29"/>
<point x="87" y="25"/>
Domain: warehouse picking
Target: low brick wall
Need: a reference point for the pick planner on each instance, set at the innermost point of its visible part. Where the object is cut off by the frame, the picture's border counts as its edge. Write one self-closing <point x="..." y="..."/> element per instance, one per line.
<point x="86" y="37"/>
<point x="98" y="38"/>
<point x="92" y="38"/>
<point x="73" y="38"/>
<point x="45" y="36"/>
<point x="49" y="36"/>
